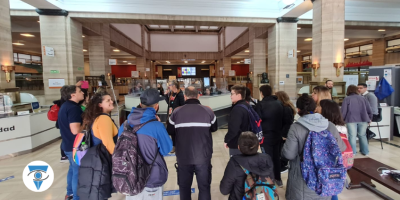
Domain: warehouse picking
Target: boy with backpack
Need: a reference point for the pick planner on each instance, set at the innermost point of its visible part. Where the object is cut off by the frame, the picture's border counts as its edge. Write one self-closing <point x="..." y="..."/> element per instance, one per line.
<point x="151" y="144"/>
<point x="247" y="170"/>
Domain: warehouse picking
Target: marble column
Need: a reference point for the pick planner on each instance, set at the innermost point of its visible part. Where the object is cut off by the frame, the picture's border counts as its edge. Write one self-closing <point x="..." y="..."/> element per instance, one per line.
<point x="227" y="62"/>
<point x="282" y="39"/>
<point x="6" y="50"/>
<point x="141" y="66"/>
<point x="99" y="52"/>
<point x="65" y="36"/>
<point x="257" y="47"/>
<point x="379" y="51"/>
<point x="328" y="38"/>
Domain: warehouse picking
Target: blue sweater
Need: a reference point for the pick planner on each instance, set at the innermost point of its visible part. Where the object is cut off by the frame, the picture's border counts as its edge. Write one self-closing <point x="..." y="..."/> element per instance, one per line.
<point x="150" y="135"/>
<point x="356" y="108"/>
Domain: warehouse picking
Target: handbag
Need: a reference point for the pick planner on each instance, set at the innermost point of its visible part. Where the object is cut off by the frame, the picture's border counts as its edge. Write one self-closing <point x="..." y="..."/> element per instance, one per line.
<point x="370" y="134"/>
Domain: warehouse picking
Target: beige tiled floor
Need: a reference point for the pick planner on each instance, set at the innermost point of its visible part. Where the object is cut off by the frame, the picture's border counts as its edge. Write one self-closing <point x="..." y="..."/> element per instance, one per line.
<point x="14" y="189"/>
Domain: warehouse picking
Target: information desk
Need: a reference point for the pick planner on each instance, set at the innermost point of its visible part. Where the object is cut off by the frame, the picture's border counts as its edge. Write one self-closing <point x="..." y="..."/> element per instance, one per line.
<point x="385" y="126"/>
<point x="24" y="134"/>
<point x="215" y="102"/>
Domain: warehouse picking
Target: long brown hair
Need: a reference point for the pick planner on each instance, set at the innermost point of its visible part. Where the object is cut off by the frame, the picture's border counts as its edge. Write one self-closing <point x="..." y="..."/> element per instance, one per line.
<point x="322" y="92"/>
<point x="284" y="98"/>
<point x="93" y="110"/>
<point x="331" y="111"/>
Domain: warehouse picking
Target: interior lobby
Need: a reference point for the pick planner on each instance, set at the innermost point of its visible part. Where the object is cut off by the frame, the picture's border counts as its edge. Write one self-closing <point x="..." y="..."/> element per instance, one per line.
<point x="212" y="45"/>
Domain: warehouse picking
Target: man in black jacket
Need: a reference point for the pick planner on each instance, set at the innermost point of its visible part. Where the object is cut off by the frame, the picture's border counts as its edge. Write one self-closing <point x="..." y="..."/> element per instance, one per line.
<point x="194" y="146"/>
<point x="271" y="110"/>
<point x="238" y="119"/>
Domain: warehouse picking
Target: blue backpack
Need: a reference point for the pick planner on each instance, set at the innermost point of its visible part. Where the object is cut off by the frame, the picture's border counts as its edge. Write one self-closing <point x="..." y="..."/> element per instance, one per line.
<point x="255" y="122"/>
<point x="322" y="164"/>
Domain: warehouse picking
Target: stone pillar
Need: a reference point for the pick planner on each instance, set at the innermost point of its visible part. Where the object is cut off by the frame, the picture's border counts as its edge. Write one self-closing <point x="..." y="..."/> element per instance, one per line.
<point x="227" y="62"/>
<point x="282" y="38"/>
<point x="258" y="63"/>
<point x="99" y="52"/>
<point x="379" y="51"/>
<point x="328" y="38"/>
<point x="6" y="49"/>
<point x="141" y="61"/>
<point x="65" y="36"/>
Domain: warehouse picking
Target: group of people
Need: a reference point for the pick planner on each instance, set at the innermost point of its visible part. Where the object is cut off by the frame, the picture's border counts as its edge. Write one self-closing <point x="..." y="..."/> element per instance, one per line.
<point x="191" y="137"/>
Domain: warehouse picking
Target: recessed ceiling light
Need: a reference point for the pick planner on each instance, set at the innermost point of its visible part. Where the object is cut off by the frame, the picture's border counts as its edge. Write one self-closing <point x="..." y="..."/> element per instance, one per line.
<point x="124" y="61"/>
<point x="247" y="51"/>
<point x="189" y="26"/>
<point x="238" y="62"/>
<point x="308" y="39"/>
<point x="298" y="28"/>
<point x="83" y="36"/>
<point x="129" y="63"/>
<point x="167" y="61"/>
<point x="179" y="26"/>
<point x="38" y="21"/>
<point x="27" y="35"/>
<point x="346" y="39"/>
<point x="153" y="26"/>
<point x="213" y="27"/>
<point x="164" y="26"/>
<point x="298" y="51"/>
<point x="84" y="50"/>
<point x="242" y="61"/>
<point x="381" y="30"/>
<point x="116" y="50"/>
<point x="17" y="43"/>
<point x="203" y="61"/>
<point x="186" y="61"/>
<point x="203" y="27"/>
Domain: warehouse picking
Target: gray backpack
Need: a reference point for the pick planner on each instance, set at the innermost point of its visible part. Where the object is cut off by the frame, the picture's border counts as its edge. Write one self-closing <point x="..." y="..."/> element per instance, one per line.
<point x="130" y="171"/>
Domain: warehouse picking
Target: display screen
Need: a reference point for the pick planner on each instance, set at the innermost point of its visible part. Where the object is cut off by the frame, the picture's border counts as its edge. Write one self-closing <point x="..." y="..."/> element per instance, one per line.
<point x="188" y="71"/>
<point x="206" y="81"/>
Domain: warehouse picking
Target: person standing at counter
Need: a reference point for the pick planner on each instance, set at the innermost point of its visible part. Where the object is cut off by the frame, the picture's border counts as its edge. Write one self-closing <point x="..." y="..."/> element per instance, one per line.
<point x="69" y="122"/>
<point x="371" y="98"/>
<point x="357" y="113"/>
<point x="160" y="89"/>
<point x="174" y="98"/>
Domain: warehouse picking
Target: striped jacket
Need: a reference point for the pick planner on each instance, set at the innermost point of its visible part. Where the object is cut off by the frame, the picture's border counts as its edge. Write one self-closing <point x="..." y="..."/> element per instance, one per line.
<point x="193" y="125"/>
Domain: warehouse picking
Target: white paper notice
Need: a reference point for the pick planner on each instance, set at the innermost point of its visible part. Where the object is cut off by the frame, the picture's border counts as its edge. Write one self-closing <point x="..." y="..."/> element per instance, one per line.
<point x="48" y="51"/>
<point x="350" y="80"/>
<point x="281" y="82"/>
<point x="373" y="78"/>
<point x="371" y="85"/>
<point x="247" y="61"/>
<point x="135" y="74"/>
<point x="56" y="83"/>
<point x="387" y="74"/>
<point x="232" y="73"/>
<point x="112" y="61"/>
<point x="147" y="69"/>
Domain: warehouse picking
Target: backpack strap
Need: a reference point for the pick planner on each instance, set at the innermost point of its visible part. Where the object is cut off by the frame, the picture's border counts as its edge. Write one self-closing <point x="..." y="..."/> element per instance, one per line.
<point x="302" y="151"/>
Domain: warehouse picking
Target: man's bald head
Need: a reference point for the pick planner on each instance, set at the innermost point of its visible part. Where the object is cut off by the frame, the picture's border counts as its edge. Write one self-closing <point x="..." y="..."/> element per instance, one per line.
<point x="191" y="93"/>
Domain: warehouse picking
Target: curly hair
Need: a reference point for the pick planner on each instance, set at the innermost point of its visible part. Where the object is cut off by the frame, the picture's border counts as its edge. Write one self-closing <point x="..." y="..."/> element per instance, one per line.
<point x="305" y="104"/>
<point x="93" y="110"/>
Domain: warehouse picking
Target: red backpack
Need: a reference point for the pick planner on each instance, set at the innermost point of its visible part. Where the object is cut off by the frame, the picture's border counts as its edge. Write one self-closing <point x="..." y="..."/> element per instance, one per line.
<point x="52" y="115"/>
<point x="348" y="156"/>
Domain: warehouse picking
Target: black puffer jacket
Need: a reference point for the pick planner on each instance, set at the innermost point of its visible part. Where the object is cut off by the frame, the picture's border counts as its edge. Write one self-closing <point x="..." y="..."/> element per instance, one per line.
<point x="179" y="100"/>
<point x="270" y="110"/>
<point x="94" y="181"/>
<point x="233" y="181"/>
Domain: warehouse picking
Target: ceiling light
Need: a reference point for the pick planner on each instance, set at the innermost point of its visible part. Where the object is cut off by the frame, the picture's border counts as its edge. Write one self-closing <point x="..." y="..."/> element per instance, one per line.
<point x="298" y="51"/>
<point x="381" y="30"/>
<point x="247" y="51"/>
<point x="164" y="26"/>
<point x="83" y="36"/>
<point x="129" y="63"/>
<point x="167" y="61"/>
<point x="38" y="21"/>
<point x="203" y="27"/>
<point x="179" y="26"/>
<point x="242" y="61"/>
<point x="203" y="61"/>
<point x="238" y="62"/>
<point x="116" y="50"/>
<point x="124" y="61"/>
<point x="17" y="43"/>
<point x="298" y="28"/>
<point x="308" y="39"/>
<point x="214" y="27"/>
<point x="84" y="50"/>
<point x="186" y="61"/>
<point x="154" y="26"/>
<point x="346" y="39"/>
<point x="189" y="26"/>
<point x="27" y="35"/>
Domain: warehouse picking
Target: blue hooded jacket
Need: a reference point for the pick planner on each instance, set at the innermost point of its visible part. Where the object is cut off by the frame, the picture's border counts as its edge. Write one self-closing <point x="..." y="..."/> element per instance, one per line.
<point x="150" y="135"/>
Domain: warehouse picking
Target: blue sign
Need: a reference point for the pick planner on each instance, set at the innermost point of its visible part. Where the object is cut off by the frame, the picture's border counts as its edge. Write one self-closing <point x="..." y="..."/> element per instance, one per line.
<point x="174" y="192"/>
<point x="5" y="179"/>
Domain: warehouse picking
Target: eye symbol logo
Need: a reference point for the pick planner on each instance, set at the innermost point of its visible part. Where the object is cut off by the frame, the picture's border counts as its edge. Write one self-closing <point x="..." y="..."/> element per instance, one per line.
<point x="38" y="176"/>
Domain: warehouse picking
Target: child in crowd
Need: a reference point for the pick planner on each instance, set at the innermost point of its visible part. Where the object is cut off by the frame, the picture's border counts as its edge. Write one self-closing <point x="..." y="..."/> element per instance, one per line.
<point x="257" y="163"/>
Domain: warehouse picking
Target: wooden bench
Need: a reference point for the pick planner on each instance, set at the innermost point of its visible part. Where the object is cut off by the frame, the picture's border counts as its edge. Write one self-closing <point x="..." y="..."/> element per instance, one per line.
<point x="365" y="170"/>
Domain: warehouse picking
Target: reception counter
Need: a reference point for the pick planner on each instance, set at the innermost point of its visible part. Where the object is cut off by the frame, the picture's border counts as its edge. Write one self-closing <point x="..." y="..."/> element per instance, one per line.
<point x="24" y="134"/>
<point x="216" y="102"/>
<point x="386" y="125"/>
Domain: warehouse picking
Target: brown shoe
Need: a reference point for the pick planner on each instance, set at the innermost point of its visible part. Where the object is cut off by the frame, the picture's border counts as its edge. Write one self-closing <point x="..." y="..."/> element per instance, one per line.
<point x="173" y="150"/>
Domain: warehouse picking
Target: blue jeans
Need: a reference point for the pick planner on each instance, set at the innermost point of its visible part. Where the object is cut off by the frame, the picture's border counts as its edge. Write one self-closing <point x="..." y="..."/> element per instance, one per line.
<point x="72" y="176"/>
<point x="335" y="197"/>
<point x="359" y="130"/>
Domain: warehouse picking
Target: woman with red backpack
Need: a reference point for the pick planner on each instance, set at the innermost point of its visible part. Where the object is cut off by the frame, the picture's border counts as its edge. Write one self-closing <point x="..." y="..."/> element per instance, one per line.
<point x="331" y="111"/>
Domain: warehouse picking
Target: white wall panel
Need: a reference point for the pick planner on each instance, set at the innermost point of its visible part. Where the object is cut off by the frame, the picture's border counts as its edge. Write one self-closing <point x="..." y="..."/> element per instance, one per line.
<point x="133" y="31"/>
<point x="184" y="42"/>
<point x="232" y="33"/>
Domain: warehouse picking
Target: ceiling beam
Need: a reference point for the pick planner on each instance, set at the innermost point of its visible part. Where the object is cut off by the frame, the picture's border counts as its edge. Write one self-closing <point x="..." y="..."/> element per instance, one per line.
<point x="41" y="4"/>
<point x="123" y="42"/>
<point x="300" y="9"/>
<point x="238" y="44"/>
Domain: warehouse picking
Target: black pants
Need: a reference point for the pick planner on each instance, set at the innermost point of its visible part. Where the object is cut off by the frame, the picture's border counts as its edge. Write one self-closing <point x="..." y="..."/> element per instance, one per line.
<point x="274" y="150"/>
<point x="171" y="132"/>
<point x="203" y="176"/>
<point x="62" y="152"/>
<point x="284" y="162"/>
